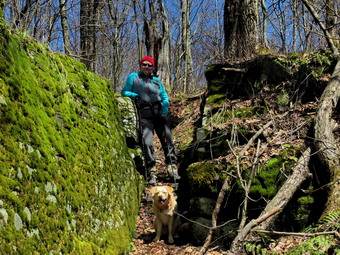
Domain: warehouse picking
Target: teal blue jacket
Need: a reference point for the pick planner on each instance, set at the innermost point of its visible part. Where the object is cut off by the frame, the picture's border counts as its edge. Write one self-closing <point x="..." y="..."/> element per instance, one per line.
<point x="148" y="88"/>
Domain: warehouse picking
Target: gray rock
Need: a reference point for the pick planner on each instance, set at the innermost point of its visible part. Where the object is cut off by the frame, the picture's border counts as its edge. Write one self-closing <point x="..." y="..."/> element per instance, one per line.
<point x="203" y="206"/>
<point x="17" y="221"/>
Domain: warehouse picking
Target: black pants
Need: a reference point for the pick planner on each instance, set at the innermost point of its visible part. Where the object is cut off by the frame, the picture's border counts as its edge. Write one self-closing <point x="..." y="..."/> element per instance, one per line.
<point x="162" y="128"/>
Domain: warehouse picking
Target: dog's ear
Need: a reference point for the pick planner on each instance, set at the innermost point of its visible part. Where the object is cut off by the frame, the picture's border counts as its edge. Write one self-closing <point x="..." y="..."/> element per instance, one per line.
<point x="153" y="190"/>
<point x="169" y="189"/>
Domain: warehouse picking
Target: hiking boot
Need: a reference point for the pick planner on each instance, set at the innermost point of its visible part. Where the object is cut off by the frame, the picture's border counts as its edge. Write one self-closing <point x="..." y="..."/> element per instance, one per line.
<point x="176" y="176"/>
<point x="152" y="180"/>
<point x="173" y="172"/>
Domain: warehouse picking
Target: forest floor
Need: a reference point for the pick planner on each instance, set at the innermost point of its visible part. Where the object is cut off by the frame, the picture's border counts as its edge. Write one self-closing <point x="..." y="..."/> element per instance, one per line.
<point x="145" y="233"/>
<point x="143" y="241"/>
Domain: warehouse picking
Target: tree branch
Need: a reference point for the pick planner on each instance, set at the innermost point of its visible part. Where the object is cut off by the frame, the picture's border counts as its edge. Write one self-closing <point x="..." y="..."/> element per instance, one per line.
<point x="300" y="173"/>
<point x="336" y="233"/>
<point x="325" y="141"/>
<point x="224" y="188"/>
<point x="322" y="26"/>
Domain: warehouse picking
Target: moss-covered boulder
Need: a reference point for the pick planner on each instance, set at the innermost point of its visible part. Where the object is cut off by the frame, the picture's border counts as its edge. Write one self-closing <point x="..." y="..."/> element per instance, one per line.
<point x="242" y="80"/>
<point x="68" y="183"/>
<point x="306" y="72"/>
<point x="131" y="127"/>
<point x="129" y="117"/>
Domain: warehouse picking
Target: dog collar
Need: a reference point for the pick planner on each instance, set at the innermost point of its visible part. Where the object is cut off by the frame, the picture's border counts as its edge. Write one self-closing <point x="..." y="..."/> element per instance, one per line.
<point x="164" y="206"/>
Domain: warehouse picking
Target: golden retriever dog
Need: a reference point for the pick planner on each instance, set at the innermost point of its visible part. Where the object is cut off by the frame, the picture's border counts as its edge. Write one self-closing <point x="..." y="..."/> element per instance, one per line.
<point x="164" y="207"/>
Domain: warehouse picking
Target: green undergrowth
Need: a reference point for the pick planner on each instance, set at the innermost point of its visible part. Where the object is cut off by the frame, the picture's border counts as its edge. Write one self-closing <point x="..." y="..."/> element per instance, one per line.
<point x="223" y="115"/>
<point x="68" y="184"/>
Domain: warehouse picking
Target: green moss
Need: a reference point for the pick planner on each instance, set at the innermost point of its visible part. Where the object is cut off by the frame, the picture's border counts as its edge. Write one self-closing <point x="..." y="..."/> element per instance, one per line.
<point x="215" y="99"/>
<point x="299" y="212"/>
<point x="185" y="138"/>
<point x="203" y="176"/>
<point x="306" y="200"/>
<point x="223" y="115"/>
<point x="247" y="112"/>
<point x="202" y="173"/>
<point x="272" y="175"/>
<point x="63" y="156"/>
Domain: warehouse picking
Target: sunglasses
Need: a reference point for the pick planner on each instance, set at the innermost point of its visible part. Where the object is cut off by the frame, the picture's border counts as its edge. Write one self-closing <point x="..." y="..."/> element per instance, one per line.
<point x="148" y="65"/>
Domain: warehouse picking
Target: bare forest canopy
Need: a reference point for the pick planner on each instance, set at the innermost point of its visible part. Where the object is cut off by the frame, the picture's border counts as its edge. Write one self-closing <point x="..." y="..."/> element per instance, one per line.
<point x="185" y="36"/>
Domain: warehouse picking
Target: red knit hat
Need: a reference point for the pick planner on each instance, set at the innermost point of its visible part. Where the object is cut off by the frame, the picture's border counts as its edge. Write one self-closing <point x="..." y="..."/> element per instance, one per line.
<point x="147" y="58"/>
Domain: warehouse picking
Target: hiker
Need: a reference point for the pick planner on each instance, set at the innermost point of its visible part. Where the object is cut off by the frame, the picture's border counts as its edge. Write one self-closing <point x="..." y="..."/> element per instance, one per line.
<point x="152" y="103"/>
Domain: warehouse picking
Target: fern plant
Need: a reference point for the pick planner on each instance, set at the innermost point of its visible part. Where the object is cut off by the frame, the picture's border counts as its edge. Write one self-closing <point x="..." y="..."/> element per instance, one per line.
<point x="330" y="222"/>
<point x="318" y="245"/>
<point x="321" y="244"/>
<point x="256" y="249"/>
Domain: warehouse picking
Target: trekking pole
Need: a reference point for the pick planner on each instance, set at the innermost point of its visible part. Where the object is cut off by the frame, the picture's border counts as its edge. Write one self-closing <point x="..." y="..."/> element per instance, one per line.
<point x="140" y="133"/>
<point x="172" y="169"/>
<point x="167" y="124"/>
<point x="144" y="156"/>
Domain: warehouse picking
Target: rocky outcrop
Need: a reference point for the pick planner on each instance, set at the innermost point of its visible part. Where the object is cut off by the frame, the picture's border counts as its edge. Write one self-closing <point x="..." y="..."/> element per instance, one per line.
<point x="68" y="182"/>
<point x="246" y="113"/>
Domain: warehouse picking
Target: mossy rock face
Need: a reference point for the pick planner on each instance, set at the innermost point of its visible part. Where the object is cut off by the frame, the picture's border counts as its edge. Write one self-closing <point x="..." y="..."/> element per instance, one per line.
<point x="68" y="183"/>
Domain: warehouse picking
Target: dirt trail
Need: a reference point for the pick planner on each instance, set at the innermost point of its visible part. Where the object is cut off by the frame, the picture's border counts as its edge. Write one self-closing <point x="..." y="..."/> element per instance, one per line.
<point x="143" y="240"/>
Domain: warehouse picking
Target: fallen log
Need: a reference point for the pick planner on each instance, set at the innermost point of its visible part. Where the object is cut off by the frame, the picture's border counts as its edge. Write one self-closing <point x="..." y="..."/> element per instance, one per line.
<point x="281" y="199"/>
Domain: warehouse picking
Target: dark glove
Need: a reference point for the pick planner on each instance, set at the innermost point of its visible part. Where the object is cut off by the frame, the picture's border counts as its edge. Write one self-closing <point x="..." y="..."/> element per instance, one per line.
<point x="139" y="102"/>
<point x="164" y="118"/>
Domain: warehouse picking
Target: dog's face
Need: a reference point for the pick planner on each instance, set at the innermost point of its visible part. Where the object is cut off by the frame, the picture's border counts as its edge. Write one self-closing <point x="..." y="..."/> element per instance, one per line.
<point x="161" y="194"/>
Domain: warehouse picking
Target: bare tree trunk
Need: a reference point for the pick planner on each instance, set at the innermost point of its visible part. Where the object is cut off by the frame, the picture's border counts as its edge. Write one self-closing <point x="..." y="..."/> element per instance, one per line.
<point x="157" y="41"/>
<point x="264" y="24"/>
<point x="240" y="29"/>
<point x="331" y="16"/>
<point x="139" y="42"/>
<point x="150" y="31"/>
<point x="117" y="56"/>
<point x="164" y="52"/>
<point x="326" y="143"/>
<point x="64" y="25"/>
<point x="24" y="15"/>
<point x="295" y="24"/>
<point x="2" y="16"/>
<point x="305" y="24"/>
<point x="88" y="20"/>
<point x="178" y="69"/>
<point x="153" y="41"/>
<point x="186" y="38"/>
<point x="118" y="16"/>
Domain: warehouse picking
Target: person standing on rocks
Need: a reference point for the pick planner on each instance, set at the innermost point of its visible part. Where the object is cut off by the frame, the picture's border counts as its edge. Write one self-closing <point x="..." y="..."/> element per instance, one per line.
<point x="152" y="103"/>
